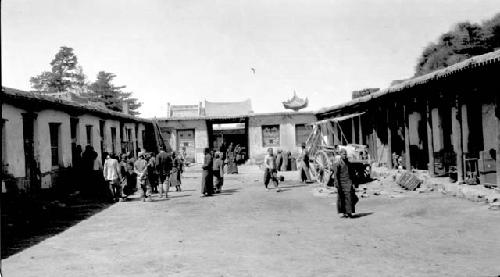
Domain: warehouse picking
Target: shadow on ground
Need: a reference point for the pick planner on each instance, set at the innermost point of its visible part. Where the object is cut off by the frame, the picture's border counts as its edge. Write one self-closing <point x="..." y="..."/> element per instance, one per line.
<point x="358" y="215"/>
<point x="28" y="221"/>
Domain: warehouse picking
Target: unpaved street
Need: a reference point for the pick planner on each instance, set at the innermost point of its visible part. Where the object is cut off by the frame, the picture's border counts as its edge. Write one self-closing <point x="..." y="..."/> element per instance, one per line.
<point x="246" y="231"/>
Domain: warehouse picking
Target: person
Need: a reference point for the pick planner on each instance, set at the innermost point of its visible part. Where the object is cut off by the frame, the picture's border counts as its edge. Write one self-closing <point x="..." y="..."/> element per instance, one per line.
<point x="270" y="172"/>
<point x="152" y="176"/>
<point x="232" y="168"/>
<point x="223" y="149"/>
<point x="140" y="168"/>
<point x="279" y="160"/>
<point x="346" y="195"/>
<point x="207" y="175"/>
<point x="218" y="172"/>
<point x="305" y="175"/>
<point x="163" y="167"/>
<point x="175" y="172"/>
<point x="237" y="154"/>
<point x="88" y="158"/>
<point x="112" y="175"/>
<point x="129" y="181"/>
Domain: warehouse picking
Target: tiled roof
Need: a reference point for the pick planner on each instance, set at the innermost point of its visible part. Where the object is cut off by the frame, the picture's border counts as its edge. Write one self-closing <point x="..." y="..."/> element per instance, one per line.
<point x="227" y="117"/>
<point x="228" y="108"/>
<point x="11" y="95"/>
<point x="481" y="60"/>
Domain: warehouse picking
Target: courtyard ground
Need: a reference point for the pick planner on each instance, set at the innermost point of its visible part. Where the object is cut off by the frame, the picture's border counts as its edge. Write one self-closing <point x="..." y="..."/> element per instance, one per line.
<point x="247" y="231"/>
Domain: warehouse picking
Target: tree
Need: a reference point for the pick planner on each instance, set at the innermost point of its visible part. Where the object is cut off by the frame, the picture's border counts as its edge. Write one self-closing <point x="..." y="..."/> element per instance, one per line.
<point x="103" y="90"/>
<point x="465" y="40"/>
<point x="66" y="74"/>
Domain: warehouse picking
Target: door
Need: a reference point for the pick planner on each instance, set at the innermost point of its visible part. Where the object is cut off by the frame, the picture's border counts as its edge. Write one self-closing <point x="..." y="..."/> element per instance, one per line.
<point x="29" y="152"/>
<point x="186" y="142"/>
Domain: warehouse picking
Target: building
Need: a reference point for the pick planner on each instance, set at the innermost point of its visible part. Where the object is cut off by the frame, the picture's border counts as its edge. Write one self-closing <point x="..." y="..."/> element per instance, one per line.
<point x="446" y="121"/>
<point x="237" y="123"/>
<point x="40" y="135"/>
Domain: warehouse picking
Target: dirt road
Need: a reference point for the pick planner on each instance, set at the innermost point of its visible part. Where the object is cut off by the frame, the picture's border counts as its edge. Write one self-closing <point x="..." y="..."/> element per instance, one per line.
<point x="247" y="231"/>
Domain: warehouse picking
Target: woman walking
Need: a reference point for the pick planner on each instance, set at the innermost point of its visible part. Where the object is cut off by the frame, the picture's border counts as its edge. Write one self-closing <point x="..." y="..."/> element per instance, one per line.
<point x="207" y="175"/>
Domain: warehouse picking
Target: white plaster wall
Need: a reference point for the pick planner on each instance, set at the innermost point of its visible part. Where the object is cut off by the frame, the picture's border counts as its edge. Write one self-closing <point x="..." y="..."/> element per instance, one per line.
<point x="437" y="130"/>
<point x="87" y="119"/>
<point x="200" y="142"/>
<point x="43" y="144"/>
<point x="414" y="120"/>
<point x="108" y="124"/>
<point x="200" y="134"/>
<point x="14" y="146"/>
<point x="490" y="126"/>
<point x="141" y="128"/>
<point x="287" y="133"/>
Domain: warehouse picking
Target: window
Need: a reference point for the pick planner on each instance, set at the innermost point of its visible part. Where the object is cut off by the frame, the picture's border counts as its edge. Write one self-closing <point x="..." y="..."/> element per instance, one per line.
<point x="54" y="142"/>
<point x="270" y="135"/>
<point x="89" y="134"/>
<point x="302" y="132"/>
<point x="129" y="135"/>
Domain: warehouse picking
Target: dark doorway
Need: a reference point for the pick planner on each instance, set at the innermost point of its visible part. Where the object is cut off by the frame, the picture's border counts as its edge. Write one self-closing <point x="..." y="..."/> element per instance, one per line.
<point x="229" y="131"/>
<point x="31" y="167"/>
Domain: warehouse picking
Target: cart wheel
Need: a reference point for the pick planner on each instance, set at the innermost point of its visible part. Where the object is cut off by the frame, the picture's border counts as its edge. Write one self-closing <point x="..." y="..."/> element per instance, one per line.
<point x="323" y="168"/>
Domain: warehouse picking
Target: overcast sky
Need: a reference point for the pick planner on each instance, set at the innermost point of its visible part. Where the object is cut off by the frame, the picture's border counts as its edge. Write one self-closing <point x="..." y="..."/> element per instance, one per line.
<point x="186" y="51"/>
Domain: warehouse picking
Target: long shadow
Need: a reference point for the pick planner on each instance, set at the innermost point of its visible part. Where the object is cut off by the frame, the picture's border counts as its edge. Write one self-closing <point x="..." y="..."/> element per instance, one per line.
<point x="170" y="197"/>
<point x="26" y="222"/>
<point x="294" y="186"/>
<point x="227" y="192"/>
<point x="358" y="215"/>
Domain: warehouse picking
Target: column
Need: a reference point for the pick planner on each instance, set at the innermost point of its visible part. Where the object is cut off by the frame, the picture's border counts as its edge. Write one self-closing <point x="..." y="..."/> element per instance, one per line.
<point x="374" y="135"/>
<point x="336" y="139"/>
<point x="430" y="142"/>
<point x="457" y="137"/>
<point x="360" y="130"/>
<point x="389" y="141"/>
<point x="353" y="131"/>
<point x="407" y="138"/>
<point x="497" y="112"/>
<point x="465" y="128"/>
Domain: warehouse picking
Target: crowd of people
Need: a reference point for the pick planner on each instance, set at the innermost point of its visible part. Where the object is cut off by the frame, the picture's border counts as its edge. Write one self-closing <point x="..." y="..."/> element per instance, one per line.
<point x="119" y="176"/>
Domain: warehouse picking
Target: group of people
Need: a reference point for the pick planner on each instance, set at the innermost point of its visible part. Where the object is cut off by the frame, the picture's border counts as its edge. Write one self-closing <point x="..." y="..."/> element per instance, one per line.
<point x="231" y="156"/>
<point x="123" y="175"/>
<point x="213" y="166"/>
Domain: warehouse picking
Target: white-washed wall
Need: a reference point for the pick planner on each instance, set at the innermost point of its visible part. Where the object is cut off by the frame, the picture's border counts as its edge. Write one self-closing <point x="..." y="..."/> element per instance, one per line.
<point x="14" y="146"/>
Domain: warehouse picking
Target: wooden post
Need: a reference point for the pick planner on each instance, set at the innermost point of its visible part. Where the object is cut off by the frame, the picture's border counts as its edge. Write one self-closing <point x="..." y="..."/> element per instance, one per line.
<point x="465" y="128"/>
<point x="497" y="112"/>
<point x="457" y="138"/>
<point x="360" y="130"/>
<point x="374" y="135"/>
<point x="430" y="141"/>
<point x="389" y="140"/>
<point x="407" y="138"/>
<point x="336" y="139"/>
<point x="353" y="131"/>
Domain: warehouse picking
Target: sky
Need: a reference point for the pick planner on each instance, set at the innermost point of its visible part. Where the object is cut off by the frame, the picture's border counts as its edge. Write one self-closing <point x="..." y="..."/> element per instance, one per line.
<point x="188" y="51"/>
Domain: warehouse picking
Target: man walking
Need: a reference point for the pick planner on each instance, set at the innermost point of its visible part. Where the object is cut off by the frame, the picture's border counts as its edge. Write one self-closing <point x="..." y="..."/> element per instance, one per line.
<point x="346" y="199"/>
<point x="163" y="167"/>
<point x="140" y="168"/>
<point x="207" y="181"/>
<point x="270" y="171"/>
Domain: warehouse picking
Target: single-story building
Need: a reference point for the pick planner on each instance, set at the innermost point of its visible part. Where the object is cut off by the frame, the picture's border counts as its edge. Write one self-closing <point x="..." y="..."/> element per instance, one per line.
<point x="447" y="121"/>
<point x="40" y="135"/>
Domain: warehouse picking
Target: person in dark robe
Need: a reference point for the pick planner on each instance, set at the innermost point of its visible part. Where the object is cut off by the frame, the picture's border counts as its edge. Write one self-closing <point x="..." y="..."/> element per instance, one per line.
<point x="163" y="168"/>
<point x="346" y="199"/>
<point x="279" y="160"/>
<point x="89" y="178"/>
<point x="207" y="175"/>
<point x="176" y="172"/>
<point x="305" y="175"/>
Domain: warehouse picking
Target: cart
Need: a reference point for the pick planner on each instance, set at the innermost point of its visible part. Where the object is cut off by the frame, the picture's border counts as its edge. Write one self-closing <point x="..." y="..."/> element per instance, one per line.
<point x="323" y="156"/>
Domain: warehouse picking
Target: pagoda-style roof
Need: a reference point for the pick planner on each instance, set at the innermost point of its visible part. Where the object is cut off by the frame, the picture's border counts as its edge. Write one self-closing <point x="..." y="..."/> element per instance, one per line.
<point x="295" y="103"/>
